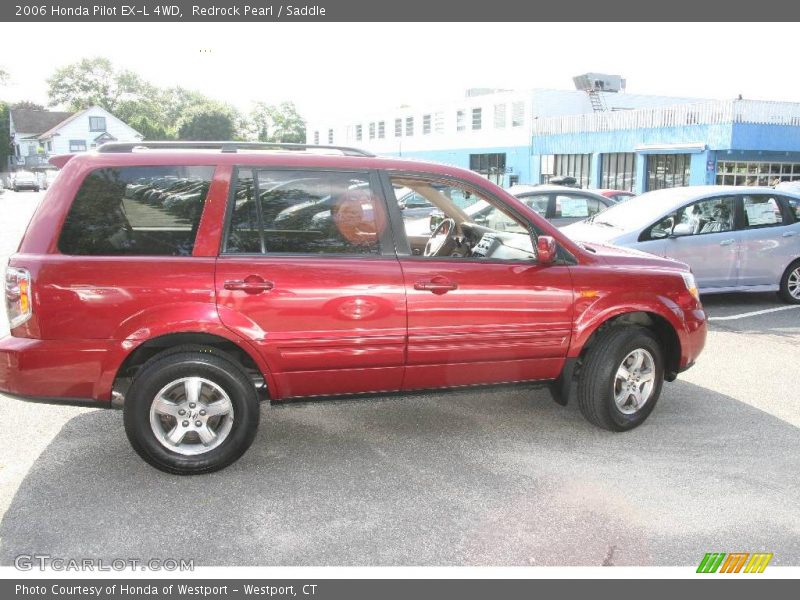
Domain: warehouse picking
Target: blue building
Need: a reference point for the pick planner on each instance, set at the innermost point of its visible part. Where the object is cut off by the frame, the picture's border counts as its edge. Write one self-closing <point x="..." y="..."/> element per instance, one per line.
<point x="732" y="142"/>
<point x="603" y="137"/>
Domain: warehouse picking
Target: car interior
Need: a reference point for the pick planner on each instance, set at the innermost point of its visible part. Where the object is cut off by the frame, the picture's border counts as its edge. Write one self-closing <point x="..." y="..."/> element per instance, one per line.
<point x="460" y="232"/>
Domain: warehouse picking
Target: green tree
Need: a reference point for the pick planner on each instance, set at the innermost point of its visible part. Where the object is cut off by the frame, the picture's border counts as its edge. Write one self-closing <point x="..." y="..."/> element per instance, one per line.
<point x="93" y="81"/>
<point x="177" y="101"/>
<point x="151" y="130"/>
<point x="281" y="123"/>
<point x="27" y="104"/>
<point x="5" y="136"/>
<point x="210" y="121"/>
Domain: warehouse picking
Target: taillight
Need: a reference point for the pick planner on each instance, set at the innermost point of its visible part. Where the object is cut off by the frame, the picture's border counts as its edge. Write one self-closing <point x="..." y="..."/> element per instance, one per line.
<point x="18" y="296"/>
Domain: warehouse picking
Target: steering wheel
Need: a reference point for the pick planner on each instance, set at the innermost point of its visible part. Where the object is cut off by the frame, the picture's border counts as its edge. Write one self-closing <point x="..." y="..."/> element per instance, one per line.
<point x="443" y="239"/>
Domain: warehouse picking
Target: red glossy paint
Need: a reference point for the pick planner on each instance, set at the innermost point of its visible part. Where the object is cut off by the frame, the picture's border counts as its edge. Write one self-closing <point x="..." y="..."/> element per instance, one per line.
<point x="323" y="325"/>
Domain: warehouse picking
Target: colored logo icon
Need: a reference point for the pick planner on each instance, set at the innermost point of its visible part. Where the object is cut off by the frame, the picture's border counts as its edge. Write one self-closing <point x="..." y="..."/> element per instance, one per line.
<point x="737" y="562"/>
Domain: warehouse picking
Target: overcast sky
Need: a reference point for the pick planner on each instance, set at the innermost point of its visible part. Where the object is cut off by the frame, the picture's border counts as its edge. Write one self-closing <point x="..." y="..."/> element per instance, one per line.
<point x="344" y="69"/>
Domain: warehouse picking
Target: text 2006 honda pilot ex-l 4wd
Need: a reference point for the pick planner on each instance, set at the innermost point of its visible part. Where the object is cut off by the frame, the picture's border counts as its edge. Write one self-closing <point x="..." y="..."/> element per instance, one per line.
<point x="188" y="282"/>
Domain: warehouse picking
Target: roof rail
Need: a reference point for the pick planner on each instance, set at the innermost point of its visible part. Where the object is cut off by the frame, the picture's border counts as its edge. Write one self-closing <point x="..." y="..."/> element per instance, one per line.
<point x="225" y="147"/>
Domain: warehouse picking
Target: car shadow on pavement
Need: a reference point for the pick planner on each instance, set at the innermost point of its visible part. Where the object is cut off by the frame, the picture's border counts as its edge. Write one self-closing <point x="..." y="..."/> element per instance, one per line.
<point x="481" y="477"/>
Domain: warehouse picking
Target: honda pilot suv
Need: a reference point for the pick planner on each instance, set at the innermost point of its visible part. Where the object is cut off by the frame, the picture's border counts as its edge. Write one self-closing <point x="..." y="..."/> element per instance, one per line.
<point x="188" y="282"/>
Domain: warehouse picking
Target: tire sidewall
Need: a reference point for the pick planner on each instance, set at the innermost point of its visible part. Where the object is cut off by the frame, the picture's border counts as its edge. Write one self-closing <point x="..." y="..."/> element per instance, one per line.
<point x="784" y="286"/>
<point x="637" y="339"/>
<point x="155" y="377"/>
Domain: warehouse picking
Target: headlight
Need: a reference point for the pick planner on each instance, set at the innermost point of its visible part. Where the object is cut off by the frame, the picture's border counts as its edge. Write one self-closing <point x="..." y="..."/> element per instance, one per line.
<point x="691" y="284"/>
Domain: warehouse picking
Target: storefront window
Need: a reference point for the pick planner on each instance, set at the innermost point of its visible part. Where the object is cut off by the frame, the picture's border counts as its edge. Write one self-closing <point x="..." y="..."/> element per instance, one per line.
<point x="734" y="172"/>
<point x="578" y="166"/>
<point x="667" y="170"/>
<point x="618" y="171"/>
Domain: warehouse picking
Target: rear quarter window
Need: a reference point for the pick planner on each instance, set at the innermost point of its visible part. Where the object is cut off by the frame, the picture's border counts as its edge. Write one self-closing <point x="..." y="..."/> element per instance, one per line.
<point x="794" y="208"/>
<point x="136" y="211"/>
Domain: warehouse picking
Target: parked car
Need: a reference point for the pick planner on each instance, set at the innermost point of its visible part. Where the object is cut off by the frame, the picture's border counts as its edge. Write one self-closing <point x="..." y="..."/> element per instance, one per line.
<point x="558" y="204"/>
<point x="734" y="238"/>
<point x="616" y="195"/>
<point x="25" y="180"/>
<point x="188" y="321"/>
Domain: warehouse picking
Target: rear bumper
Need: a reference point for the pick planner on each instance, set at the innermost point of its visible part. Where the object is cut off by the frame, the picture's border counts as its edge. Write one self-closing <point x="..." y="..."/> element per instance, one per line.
<point x="55" y="371"/>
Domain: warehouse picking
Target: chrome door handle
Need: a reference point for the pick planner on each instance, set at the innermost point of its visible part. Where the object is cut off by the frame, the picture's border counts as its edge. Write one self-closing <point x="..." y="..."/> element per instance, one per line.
<point x="250" y="285"/>
<point x="788" y="234"/>
<point x="726" y="242"/>
<point x="437" y="285"/>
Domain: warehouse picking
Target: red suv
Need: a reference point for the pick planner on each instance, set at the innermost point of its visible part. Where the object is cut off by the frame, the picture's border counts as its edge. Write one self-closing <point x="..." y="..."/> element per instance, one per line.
<point x="186" y="283"/>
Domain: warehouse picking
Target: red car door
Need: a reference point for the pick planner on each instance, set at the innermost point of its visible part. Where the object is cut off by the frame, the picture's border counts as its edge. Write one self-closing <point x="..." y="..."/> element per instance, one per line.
<point x="474" y="320"/>
<point x="309" y="274"/>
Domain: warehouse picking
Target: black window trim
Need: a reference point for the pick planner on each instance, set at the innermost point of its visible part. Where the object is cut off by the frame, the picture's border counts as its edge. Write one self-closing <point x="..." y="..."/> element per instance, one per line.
<point x="385" y="241"/>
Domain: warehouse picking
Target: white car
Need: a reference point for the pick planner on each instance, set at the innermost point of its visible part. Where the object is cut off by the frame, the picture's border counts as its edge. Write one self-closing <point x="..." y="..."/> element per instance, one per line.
<point x="733" y="238"/>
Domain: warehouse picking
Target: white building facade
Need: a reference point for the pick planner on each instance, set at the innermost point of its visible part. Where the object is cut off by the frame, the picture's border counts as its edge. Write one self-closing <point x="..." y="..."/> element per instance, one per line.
<point x="488" y="131"/>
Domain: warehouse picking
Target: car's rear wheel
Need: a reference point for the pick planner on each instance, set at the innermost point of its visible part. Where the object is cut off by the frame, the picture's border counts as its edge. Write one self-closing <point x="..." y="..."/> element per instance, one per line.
<point x="191" y="412"/>
<point x="621" y="378"/>
<point x="790" y="284"/>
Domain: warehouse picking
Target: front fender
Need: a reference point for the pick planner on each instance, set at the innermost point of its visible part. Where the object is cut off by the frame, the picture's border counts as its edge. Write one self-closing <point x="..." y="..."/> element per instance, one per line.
<point x="592" y="313"/>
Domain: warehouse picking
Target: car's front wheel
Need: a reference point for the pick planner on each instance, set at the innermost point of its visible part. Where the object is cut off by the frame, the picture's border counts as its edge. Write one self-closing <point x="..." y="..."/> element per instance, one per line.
<point x="191" y="412"/>
<point x="621" y="378"/>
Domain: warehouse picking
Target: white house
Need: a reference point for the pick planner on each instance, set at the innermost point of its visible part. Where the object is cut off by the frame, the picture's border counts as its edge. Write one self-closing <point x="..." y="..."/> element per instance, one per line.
<point x="38" y="134"/>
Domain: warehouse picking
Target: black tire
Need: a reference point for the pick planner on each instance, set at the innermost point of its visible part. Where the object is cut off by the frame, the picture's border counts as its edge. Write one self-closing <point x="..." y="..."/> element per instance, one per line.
<point x="597" y="379"/>
<point x="176" y="364"/>
<point x="784" y="293"/>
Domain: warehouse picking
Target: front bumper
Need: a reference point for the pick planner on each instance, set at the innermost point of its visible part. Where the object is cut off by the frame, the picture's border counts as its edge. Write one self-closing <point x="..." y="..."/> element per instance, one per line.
<point x="693" y="337"/>
<point x="57" y="371"/>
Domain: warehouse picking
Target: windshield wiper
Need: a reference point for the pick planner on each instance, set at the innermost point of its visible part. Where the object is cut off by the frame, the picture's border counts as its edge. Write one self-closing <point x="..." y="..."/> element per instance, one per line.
<point x="604" y="224"/>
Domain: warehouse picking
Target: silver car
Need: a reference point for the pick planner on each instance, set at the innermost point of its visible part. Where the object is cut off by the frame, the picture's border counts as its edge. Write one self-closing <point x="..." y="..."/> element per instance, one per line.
<point x="733" y="238"/>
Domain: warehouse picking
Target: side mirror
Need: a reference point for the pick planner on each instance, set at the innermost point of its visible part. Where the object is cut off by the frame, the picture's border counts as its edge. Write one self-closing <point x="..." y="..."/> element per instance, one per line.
<point x="682" y="229"/>
<point x="546" y="249"/>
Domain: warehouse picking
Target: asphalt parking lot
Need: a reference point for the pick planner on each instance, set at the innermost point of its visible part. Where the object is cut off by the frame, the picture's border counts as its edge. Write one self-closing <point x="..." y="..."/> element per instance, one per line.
<point x="481" y="477"/>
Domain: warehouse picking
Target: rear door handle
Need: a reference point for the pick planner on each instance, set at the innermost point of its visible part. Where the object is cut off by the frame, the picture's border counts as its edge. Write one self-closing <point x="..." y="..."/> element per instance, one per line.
<point x="437" y="285"/>
<point x="788" y="234"/>
<point x="252" y="284"/>
<point x="726" y="242"/>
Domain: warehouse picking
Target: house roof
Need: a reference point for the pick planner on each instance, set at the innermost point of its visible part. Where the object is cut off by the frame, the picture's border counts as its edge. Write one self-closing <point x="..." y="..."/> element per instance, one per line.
<point x="30" y="121"/>
<point x="71" y="117"/>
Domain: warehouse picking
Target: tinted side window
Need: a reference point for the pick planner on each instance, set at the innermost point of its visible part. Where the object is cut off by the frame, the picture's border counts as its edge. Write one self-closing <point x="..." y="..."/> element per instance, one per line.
<point x="305" y="212"/>
<point x="794" y="207"/>
<point x="137" y="211"/>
